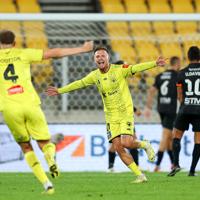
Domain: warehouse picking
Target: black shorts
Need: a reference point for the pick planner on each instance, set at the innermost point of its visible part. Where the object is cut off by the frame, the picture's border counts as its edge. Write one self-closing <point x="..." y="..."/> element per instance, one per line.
<point x="183" y="121"/>
<point x="167" y="120"/>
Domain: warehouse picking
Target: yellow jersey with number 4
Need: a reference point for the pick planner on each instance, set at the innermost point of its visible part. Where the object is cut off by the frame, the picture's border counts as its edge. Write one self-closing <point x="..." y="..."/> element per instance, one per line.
<point x="15" y="76"/>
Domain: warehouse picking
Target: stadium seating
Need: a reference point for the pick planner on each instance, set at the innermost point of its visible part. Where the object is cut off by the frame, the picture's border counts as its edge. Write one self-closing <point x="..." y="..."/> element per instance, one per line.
<point x="161" y="7"/>
<point x="138" y="6"/>
<point x="182" y="6"/>
<point x="163" y="28"/>
<point x="112" y="6"/>
<point x="140" y="28"/>
<point x="7" y="7"/>
<point x="30" y="6"/>
<point x="186" y="27"/>
<point x="197" y="4"/>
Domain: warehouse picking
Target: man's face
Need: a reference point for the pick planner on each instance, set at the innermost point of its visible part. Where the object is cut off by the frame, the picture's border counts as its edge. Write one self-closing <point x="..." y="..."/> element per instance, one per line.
<point x="101" y="59"/>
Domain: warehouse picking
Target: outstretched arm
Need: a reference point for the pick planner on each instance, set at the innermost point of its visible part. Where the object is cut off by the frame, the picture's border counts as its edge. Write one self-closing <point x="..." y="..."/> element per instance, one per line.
<point x="61" y="52"/>
<point x="148" y="65"/>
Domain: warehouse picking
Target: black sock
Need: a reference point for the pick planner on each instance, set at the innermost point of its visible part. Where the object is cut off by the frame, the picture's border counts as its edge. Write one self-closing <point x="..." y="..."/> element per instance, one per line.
<point x="111" y="159"/>
<point x="195" y="157"/>
<point x="176" y="150"/>
<point x="170" y="156"/>
<point x="134" y="154"/>
<point x="160" y="157"/>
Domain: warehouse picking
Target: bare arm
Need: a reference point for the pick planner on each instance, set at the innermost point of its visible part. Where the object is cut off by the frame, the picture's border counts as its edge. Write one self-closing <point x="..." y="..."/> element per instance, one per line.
<point x="180" y="93"/>
<point x="61" y="52"/>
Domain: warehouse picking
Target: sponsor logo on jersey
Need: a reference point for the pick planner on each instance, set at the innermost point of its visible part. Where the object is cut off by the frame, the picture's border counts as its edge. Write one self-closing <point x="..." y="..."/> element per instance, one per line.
<point x="17" y="89"/>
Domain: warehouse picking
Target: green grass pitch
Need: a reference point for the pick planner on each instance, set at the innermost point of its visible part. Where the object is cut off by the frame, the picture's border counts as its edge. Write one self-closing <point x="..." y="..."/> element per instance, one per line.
<point x="101" y="186"/>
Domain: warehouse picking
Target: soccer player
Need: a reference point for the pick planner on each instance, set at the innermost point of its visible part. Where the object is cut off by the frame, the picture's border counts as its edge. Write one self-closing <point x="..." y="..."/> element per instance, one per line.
<point x="133" y="152"/>
<point x="165" y="85"/>
<point x="111" y="82"/>
<point x="188" y="91"/>
<point x="21" y="104"/>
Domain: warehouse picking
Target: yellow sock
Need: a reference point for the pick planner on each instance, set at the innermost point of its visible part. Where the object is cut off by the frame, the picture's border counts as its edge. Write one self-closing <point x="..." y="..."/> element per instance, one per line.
<point x="143" y="144"/>
<point x="49" y="153"/>
<point x="135" y="169"/>
<point x="36" y="167"/>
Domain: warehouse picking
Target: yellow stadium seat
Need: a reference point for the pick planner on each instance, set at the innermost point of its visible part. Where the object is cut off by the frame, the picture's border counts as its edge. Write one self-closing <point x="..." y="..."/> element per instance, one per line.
<point x="117" y="29"/>
<point x="138" y="6"/>
<point x="112" y="6"/>
<point x="159" y="7"/>
<point x="140" y="28"/>
<point x="170" y="49"/>
<point x="186" y="27"/>
<point x="182" y="6"/>
<point x="197" y="3"/>
<point x="30" y="6"/>
<point x="163" y="28"/>
<point x="147" y="50"/>
<point x="7" y="7"/>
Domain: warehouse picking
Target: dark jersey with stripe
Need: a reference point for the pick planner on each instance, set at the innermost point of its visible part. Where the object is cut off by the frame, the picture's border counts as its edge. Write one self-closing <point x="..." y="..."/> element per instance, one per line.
<point x="167" y="94"/>
<point x="189" y="80"/>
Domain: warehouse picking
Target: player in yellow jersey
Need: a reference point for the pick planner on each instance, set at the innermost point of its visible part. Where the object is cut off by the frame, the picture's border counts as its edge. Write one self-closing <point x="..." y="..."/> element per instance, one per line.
<point x="20" y="103"/>
<point x="111" y="81"/>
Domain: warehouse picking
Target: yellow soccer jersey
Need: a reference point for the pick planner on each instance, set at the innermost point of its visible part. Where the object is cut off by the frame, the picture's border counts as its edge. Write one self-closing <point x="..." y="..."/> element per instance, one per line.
<point x="15" y="77"/>
<point x="113" y="88"/>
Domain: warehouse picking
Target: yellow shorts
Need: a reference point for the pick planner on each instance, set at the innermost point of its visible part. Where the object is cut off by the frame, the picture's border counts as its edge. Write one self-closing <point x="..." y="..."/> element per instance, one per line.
<point x="26" y="122"/>
<point x="125" y="127"/>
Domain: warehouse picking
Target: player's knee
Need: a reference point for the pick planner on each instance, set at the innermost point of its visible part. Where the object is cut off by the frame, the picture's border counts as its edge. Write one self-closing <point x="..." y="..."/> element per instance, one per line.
<point x="26" y="147"/>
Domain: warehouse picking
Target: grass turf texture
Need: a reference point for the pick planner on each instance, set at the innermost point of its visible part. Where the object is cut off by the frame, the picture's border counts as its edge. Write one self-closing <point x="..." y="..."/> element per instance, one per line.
<point x="101" y="186"/>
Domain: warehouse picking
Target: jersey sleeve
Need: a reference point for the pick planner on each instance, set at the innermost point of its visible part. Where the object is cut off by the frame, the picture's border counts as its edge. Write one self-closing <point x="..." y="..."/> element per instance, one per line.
<point x="33" y="55"/>
<point x="84" y="82"/>
<point x="129" y="70"/>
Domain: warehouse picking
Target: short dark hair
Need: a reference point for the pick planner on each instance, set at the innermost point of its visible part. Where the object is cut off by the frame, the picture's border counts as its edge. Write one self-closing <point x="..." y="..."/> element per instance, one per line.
<point x="174" y="60"/>
<point x="101" y="48"/>
<point x="119" y="62"/>
<point x="193" y="53"/>
<point x="7" y="37"/>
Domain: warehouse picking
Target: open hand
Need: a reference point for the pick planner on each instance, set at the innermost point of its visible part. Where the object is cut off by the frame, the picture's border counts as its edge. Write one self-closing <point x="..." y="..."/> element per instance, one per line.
<point x="88" y="46"/>
<point x="161" y="61"/>
<point x="52" y="91"/>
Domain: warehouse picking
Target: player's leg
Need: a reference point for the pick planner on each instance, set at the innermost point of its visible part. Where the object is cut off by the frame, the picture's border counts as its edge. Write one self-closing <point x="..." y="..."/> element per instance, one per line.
<point x="196" y="150"/>
<point x="130" y="142"/>
<point x="36" y="167"/>
<point x="181" y="124"/>
<point x="177" y="135"/>
<point x="111" y="158"/>
<point x="166" y="135"/>
<point x="38" y="129"/>
<point x="134" y="152"/>
<point x="15" y="118"/>
<point x="128" y="160"/>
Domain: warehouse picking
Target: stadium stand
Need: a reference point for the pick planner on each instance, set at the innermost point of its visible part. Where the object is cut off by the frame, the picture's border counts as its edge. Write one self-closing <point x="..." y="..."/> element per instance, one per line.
<point x="8" y="7"/>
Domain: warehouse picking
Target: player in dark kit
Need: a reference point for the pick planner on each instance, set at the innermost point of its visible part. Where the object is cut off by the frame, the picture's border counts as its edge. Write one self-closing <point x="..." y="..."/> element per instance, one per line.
<point x="188" y="91"/>
<point x="165" y="85"/>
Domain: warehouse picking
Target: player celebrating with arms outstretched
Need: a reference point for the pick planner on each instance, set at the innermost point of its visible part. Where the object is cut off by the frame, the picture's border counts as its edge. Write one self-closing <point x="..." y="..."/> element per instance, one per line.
<point x="111" y="81"/>
<point x="21" y="104"/>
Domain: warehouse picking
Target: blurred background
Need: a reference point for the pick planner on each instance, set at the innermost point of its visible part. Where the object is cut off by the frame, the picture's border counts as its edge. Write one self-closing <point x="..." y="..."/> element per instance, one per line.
<point x="131" y="41"/>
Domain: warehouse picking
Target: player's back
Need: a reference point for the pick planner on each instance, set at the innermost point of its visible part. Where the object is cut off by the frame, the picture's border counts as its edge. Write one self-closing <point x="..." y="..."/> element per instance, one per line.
<point x="167" y="95"/>
<point x="15" y="79"/>
<point x="189" y="79"/>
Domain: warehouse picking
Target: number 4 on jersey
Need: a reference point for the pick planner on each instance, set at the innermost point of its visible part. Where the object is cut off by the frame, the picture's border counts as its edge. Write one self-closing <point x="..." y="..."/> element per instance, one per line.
<point x="9" y="73"/>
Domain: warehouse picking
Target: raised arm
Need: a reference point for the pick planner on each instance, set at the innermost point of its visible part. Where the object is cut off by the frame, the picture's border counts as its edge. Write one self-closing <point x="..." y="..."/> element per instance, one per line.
<point x="84" y="82"/>
<point x="61" y="52"/>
